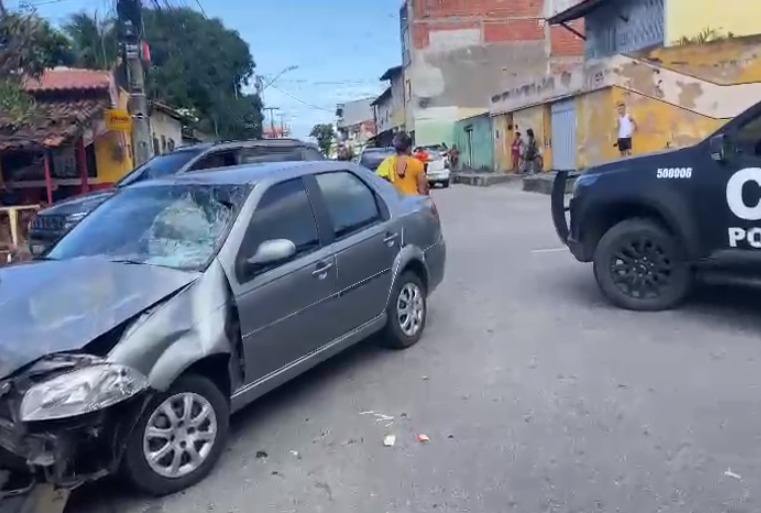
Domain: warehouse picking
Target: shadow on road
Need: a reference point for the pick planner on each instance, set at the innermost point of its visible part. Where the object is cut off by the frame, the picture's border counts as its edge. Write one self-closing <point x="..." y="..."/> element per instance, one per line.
<point x="106" y="496"/>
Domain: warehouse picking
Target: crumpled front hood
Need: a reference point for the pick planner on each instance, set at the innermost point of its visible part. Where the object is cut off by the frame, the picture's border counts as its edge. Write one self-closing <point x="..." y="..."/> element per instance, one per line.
<point x="55" y="306"/>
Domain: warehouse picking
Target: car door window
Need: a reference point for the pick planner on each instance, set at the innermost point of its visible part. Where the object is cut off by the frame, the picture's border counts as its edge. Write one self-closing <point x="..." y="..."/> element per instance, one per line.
<point x="749" y="137"/>
<point x="216" y="160"/>
<point x="352" y="205"/>
<point x="263" y="154"/>
<point x="284" y="212"/>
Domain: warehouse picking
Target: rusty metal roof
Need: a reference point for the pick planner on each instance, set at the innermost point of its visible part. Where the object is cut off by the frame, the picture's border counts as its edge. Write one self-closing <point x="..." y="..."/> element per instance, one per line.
<point x="54" y="124"/>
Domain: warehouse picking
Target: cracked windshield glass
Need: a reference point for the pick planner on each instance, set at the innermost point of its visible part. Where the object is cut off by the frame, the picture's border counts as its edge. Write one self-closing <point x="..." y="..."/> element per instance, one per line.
<point x="473" y="256"/>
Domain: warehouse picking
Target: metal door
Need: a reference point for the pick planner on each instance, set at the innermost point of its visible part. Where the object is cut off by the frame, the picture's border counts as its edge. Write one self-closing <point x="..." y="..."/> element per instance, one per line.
<point x="564" y="135"/>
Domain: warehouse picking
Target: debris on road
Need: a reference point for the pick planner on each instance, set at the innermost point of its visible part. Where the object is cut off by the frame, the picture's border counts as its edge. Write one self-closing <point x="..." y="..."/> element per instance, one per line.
<point x="423" y="438"/>
<point x="379" y="417"/>
<point x="426" y="378"/>
<point x="731" y="474"/>
<point x="261" y="455"/>
<point x="296" y="454"/>
<point x="389" y="441"/>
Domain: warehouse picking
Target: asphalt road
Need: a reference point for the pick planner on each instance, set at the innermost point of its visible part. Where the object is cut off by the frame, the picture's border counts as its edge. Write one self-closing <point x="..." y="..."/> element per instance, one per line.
<point x="536" y="395"/>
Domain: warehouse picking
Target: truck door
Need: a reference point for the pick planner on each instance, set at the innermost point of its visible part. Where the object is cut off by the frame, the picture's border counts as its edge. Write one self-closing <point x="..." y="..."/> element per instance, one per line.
<point x="731" y="209"/>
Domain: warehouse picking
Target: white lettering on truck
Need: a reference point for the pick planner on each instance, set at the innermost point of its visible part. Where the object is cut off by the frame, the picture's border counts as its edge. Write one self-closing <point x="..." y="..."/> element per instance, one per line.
<point x="740" y="209"/>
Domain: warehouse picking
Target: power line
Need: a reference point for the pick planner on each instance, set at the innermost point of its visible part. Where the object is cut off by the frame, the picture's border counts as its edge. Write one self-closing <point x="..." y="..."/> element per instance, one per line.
<point x="203" y="11"/>
<point x="289" y="95"/>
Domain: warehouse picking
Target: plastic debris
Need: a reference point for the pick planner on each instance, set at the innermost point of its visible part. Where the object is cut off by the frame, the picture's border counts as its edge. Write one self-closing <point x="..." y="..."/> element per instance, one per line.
<point x="731" y="474"/>
<point x="379" y="417"/>
<point x="423" y="438"/>
<point x="296" y="454"/>
<point x="389" y="441"/>
<point x="260" y="455"/>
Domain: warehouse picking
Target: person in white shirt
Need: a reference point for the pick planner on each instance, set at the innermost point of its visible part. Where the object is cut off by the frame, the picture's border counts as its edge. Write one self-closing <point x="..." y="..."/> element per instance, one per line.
<point x="626" y="127"/>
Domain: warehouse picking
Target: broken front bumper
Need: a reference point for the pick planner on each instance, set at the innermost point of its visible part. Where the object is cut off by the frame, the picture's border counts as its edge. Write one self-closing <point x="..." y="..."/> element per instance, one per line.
<point x="64" y="453"/>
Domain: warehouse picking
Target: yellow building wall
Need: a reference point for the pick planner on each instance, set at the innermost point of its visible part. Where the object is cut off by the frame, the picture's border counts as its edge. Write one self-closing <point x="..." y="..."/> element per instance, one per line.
<point x="686" y="18"/>
<point x="538" y="119"/>
<point x="595" y="128"/>
<point x="113" y="151"/>
<point x="503" y="137"/>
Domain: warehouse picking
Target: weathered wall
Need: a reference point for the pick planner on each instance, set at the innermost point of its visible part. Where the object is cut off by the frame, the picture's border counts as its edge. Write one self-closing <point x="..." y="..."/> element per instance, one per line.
<point x="677" y="95"/>
<point x="503" y="133"/>
<point x="538" y="119"/>
<point x="397" y="100"/>
<point x="462" y="51"/>
<point x="474" y="138"/>
<point x="686" y="18"/>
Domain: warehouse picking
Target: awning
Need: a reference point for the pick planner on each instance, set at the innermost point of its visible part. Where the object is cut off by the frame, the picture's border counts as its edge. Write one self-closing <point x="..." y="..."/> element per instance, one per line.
<point x="579" y="10"/>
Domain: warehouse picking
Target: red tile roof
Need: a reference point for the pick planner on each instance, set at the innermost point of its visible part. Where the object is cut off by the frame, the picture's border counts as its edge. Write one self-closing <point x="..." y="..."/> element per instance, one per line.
<point x="55" y="124"/>
<point x="70" y="79"/>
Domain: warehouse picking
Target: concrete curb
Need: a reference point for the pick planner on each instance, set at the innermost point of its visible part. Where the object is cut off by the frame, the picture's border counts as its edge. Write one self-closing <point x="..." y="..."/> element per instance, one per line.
<point x="543" y="183"/>
<point x="484" y="179"/>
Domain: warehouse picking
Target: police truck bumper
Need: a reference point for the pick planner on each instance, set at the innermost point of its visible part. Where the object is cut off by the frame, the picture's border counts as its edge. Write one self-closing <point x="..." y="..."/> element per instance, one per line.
<point x="560" y="220"/>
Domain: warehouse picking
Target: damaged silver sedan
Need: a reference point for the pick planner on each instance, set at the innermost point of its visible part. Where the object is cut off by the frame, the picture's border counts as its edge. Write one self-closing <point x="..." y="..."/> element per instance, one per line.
<point x="178" y="301"/>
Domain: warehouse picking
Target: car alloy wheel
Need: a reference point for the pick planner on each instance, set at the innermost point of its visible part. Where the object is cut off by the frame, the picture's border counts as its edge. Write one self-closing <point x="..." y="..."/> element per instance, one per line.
<point x="180" y="435"/>
<point x="410" y="309"/>
<point x="641" y="268"/>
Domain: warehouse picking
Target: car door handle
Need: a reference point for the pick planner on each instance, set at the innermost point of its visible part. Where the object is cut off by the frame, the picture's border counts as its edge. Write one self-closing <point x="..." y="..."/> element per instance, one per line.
<point x="390" y="239"/>
<point x="321" y="272"/>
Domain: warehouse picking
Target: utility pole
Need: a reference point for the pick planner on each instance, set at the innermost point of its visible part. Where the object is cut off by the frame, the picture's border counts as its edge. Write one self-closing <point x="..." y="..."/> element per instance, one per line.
<point x="272" y="118"/>
<point x="282" y="125"/>
<point x="130" y="24"/>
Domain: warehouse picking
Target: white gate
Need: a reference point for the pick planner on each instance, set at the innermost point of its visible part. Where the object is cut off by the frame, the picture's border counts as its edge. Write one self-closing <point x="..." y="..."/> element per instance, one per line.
<point x="564" y="135"/>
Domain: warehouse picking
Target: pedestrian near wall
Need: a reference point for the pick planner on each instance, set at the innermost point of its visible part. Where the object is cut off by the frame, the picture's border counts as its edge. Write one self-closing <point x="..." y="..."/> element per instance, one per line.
<point x="625" y="128"/>
<point x="516" y="150"/>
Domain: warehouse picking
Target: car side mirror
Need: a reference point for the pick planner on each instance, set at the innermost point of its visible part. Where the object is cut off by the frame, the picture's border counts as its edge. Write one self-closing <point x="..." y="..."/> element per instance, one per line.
<point x="717" y="145"/>
<point x="273" y="251"/>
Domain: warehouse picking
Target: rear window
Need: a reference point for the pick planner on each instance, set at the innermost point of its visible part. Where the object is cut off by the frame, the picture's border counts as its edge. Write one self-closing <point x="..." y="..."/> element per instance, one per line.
<point x="371" y="159"/>
<point x="159" y="166"/>
<point x="261" y="154"/>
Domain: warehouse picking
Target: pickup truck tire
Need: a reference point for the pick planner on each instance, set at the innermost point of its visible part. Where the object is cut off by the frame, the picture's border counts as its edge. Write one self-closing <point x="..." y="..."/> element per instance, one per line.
<point x="638" y="265"/>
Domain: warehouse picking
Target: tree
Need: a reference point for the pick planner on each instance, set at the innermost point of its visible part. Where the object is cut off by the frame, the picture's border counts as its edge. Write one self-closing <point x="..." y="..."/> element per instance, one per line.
<point x="200" y="64"/>
<point x="324" y="134"/>
<point x="29" y="46"/>
<point x="94" y="41"/>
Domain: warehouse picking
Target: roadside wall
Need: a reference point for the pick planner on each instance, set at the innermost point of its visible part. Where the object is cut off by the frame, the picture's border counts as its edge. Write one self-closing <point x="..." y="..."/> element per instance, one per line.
<point x="473" y="136"/>
<point x="677" y="95"/>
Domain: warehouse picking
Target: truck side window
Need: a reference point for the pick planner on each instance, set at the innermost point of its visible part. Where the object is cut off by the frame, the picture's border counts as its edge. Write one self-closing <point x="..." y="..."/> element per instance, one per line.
<point x="749" y="137"/>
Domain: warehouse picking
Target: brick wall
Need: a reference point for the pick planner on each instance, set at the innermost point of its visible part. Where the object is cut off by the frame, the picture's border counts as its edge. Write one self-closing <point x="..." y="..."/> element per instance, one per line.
<point x="564" y="42"/>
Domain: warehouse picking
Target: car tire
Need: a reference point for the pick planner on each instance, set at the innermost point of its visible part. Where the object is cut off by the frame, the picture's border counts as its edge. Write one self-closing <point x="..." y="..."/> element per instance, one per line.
<point x="143" y="474"/>
<point x="639" y="266"/>
<point x="408" y="294"/>
<point x="445" y="184"/>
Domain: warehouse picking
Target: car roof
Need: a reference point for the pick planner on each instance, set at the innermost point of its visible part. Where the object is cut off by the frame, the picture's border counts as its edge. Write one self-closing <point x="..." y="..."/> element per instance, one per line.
<point x="251" y="143"/>
<point x="248" y="174"/>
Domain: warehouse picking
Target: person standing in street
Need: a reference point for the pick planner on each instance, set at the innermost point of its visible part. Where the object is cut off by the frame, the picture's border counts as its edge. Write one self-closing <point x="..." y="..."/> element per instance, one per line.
<point x="516" y="150"/>
<point x="403" y="170"/>
<point x="531" y="153"/>
<point x="625" y="127"/>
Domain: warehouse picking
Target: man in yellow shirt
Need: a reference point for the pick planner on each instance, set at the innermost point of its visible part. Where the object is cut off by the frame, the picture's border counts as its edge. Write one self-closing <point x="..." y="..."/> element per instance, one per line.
<point x="403" y="170"/>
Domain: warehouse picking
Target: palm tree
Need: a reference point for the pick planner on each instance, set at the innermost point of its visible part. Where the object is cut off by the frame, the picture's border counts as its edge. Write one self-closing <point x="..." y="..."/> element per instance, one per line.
<point x="94" y="40"/>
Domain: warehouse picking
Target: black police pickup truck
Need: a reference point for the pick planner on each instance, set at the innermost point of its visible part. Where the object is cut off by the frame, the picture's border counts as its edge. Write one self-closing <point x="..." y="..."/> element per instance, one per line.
<point x="648" y="223"/>
<point x="51" y="223"/>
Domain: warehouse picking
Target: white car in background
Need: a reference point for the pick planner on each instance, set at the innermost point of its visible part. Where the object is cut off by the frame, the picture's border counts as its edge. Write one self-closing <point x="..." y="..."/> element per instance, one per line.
<point x="438" y="170"/>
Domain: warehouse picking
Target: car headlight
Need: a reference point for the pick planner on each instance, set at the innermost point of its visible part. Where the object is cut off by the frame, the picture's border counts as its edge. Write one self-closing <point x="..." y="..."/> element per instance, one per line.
<point x="73" y="219"/>
<point x="81" y="391"/>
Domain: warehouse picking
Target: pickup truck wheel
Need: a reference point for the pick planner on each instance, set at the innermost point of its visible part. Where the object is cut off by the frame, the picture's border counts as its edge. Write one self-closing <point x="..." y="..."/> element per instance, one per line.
<point x="179" y="438"/>
<point x="407" y="313"/>
<point x="639" y="266"/>
<point x="445" y="184"/>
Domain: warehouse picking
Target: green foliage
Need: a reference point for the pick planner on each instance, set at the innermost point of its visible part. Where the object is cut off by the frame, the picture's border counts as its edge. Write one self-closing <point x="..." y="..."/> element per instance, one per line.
<point x="30" y="45"/>
<point x="94" y="41"/>
<point x="324" y="134"/>
<point x="199" y="63"/>
<point x="706" y="35"/>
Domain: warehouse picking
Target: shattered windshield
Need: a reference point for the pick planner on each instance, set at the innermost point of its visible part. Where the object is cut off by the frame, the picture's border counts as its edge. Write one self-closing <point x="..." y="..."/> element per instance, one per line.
<point x="178" y="226"/>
